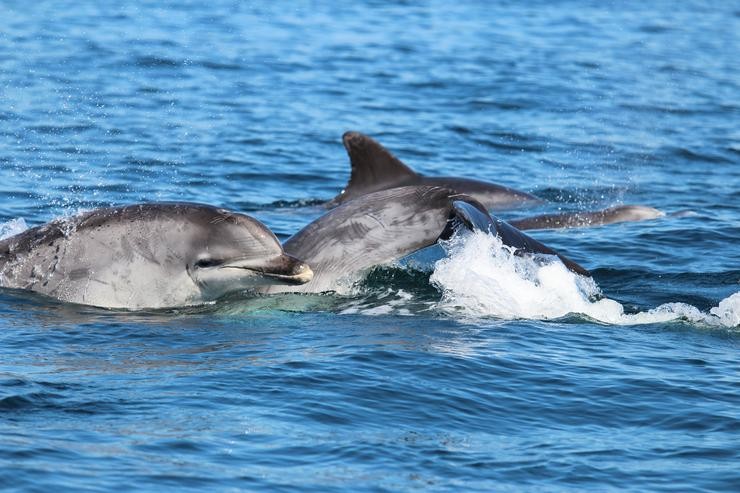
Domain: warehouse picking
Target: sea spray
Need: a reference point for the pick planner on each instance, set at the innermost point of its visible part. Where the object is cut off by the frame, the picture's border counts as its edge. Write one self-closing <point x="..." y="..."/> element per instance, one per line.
<point x="728" y="311"/>
<point x="481" y="277"/>
<point x="12" y="228"/>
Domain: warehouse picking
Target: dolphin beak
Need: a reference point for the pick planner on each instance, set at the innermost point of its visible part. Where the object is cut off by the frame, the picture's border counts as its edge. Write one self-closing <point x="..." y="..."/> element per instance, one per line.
<point x="283" y="269"/>
<point x="289" y="270"/>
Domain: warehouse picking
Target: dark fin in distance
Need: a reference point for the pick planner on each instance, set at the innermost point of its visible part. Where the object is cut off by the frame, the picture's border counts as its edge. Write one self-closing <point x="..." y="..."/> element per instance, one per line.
<point x="374" y="168"/>
<point x="618" y="214"/>
<point x="476" y="218"/>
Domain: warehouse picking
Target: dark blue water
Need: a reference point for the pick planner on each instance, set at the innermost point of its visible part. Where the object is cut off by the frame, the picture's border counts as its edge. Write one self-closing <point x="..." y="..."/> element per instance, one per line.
<point x="411" y="382"/>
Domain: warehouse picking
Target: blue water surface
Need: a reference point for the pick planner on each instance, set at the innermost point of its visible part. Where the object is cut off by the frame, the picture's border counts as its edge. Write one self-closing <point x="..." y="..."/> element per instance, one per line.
<point x="586" y="104"/>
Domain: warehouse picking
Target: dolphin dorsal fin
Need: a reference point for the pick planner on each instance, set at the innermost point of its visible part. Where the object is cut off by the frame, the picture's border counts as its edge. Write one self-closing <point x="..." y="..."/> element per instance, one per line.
<point x="373" y="168"/>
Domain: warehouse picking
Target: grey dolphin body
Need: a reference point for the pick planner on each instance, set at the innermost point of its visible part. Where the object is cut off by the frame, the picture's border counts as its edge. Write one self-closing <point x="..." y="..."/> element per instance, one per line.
<point x="384" y="226"/>
<point x="374" y="168"/>
<point x="617" y="214"/>
<point x="147" y="256"/>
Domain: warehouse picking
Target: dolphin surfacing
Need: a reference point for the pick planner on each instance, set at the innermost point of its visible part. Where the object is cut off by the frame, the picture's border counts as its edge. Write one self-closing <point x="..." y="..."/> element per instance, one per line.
<point x="159" y="255"/>
<point x="611" y="215"/>
<point x="387" y="225"/>
<point x="374" y="168"/>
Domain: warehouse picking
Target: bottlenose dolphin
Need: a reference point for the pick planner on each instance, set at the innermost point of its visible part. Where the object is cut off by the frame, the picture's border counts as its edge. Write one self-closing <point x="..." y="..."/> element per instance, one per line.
<point x="375" y="168"/>
<point x="387" y="225"/>
<point x="147" y="256"/>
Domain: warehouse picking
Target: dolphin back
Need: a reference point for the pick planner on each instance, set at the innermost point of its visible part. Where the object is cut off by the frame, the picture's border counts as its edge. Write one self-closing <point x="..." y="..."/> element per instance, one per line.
<point x="473" y="218"/>
<point x="579" y="219"/>
<point x="374" y="168"/>
<point x="374" y="229"/>
<point x="384" y="226"/>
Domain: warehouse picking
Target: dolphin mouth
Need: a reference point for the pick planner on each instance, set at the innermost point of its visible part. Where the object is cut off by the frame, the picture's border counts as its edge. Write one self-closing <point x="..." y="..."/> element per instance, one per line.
<point x="282" y="270"/>
<point x="301" y="277"/>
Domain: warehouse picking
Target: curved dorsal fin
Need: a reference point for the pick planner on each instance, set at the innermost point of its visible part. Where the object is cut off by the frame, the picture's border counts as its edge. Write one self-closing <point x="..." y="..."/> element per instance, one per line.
<point x="373" y="168"/>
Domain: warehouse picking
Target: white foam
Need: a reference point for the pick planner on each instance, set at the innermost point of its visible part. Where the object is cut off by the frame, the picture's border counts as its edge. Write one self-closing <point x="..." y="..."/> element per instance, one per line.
<point x="481" y="277"/>
<point x="12" y="228"/>
<point x="728" y="311"/>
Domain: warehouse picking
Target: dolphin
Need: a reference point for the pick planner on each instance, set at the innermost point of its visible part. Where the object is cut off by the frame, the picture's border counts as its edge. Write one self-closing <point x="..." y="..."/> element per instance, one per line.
<point x="617" y="214"/>
<point x="375" y="168"/>
<point x="387" y="225"/>
<point x="156" y="255"/>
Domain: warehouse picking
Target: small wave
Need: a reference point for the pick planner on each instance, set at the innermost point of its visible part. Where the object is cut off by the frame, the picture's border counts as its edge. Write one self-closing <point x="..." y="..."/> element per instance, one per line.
<point x="481" y="277"/>
<point x="15" y="402"/>
<point x="12" y="228"/>
<point x="60" y="129"/>
<point x="157" y="62"/>
<point x="291" y="204"/>
<point x="509" y="144"/>
<point x="697" y="156"/>
<point x="220" y="65"/>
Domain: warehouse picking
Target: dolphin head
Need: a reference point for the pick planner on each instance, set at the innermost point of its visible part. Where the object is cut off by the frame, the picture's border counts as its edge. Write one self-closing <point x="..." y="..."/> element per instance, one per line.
<point x="236" y="252"/>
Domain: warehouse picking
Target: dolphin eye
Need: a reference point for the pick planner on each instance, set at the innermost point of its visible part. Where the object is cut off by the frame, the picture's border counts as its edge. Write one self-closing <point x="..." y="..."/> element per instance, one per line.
<point x="207" y="262"/>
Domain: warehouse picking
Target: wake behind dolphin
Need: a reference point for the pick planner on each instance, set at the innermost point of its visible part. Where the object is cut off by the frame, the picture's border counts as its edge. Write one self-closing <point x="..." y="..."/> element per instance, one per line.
<point x="480" y="277"/>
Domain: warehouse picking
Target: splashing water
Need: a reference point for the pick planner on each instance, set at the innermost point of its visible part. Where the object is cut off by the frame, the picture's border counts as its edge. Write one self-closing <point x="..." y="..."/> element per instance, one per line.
<point x="12" y="228"/>
<point x="481" y="277"/>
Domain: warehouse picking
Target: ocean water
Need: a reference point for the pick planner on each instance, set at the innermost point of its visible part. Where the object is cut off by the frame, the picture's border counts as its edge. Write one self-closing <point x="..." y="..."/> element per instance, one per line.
<point x="471" y="370"/>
